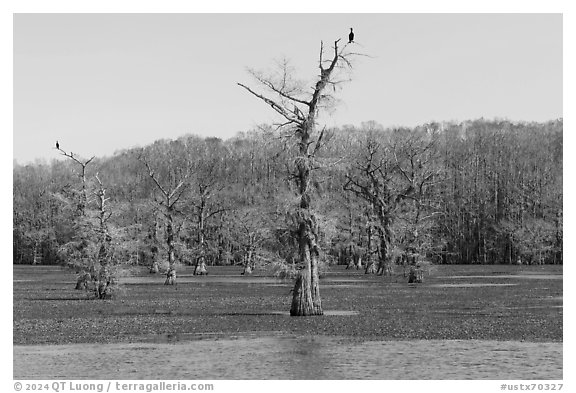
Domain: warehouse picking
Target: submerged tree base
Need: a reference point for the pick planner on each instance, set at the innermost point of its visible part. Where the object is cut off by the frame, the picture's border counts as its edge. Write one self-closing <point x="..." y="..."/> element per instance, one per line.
<point x="154" y="268"/>
<point x="416" y="275"/>
<point x="170" y="277"/>
<point x="371" y="268"/>
<point x="384" y="269"/>
<point x="303" y="303"/>
<point x="83" y="280"/>
<point x="200" y="269"/>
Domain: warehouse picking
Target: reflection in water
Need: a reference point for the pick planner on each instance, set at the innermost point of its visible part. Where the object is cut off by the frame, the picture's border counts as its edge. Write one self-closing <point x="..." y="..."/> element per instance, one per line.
<point x="290" y="357"/>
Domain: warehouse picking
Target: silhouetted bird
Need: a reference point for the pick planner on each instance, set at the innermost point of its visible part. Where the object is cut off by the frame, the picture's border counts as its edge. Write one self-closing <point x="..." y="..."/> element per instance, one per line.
<point x="351" y="36"/>
<point x="57" y="145"/>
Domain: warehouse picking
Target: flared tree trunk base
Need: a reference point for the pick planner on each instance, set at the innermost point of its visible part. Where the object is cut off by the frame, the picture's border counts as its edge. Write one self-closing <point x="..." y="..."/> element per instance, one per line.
<point x="384" y="269"/>
<point x="104" y="283"/>
<point x="416" y="275"/>
<point x="103" y="290"/>
<point x="303" y="303"/>
<point x="170" y="277"/>
<point x="200" y="270"/>
<point x="371" y="268"/>
<point x="83" y="281"/>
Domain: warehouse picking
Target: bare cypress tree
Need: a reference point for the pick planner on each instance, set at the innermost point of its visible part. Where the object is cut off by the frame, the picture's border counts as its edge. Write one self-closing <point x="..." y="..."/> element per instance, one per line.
<point x="104" y="277"/>
<point x="393" y="171"/>
<point x="299" y="111"/>
<point x="92" y="231"/>
<point x="171" y="190"/>
<point x="209" y="182"/>
<point x="77" y="251"/>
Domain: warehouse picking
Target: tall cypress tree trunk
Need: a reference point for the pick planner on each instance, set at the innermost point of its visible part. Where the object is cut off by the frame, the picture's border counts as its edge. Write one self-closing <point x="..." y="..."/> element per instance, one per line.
<point x="35" y="260"/>
<point x="383" y="266"/>
<point x="200" y="268"/>
<point x="153" y="236"/>
<point x="104" y="277"/>
<point x="249" y="259"/>
<point x="306" y="294"/>
<point x="171" y="274"/>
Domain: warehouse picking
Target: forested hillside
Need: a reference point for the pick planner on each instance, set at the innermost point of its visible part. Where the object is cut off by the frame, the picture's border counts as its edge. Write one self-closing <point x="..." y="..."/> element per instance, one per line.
<point x="477" y="192"/>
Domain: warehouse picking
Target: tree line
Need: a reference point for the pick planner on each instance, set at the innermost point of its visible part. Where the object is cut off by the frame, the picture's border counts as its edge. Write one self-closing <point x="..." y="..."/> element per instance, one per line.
<point x="483" y="191"/>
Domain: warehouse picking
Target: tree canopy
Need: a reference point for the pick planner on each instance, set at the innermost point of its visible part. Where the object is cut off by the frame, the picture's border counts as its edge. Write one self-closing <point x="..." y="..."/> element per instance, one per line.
<point x="483" y="191"/>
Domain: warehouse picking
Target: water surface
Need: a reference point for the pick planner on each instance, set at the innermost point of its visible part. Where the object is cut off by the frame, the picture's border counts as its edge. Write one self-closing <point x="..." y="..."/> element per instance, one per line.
<point x="291" y="357"/>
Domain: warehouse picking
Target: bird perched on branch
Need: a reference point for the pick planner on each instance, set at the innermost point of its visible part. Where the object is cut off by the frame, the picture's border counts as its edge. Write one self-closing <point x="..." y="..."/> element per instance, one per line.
<point x="57" y="145"/>
<point x="351" y="36"/>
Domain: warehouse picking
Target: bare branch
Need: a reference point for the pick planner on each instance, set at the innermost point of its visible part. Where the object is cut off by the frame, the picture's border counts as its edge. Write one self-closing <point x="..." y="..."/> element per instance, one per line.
<point x="277" y="107"/>
<point x="216" y="212"/>
<point x="280" y="91"/>
<point x="177" y="188"/>
<point x="408" y="178"/>
<point x="336" y="56"/>
<point x="71" y="155"/>
<point x="152" y="175"/>
<point x="433" y="214"/>
<point x="321" y="53"/>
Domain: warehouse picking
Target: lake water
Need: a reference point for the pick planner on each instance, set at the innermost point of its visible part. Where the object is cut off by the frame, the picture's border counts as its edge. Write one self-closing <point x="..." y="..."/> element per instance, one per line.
<point x="532" y="276"/>
<point x="277" y="356"/>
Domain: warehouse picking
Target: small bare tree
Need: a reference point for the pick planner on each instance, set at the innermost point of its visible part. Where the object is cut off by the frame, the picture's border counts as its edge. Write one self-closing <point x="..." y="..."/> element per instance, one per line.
<point x="370" y="179"/>
<point x="171" y="191"/>
<point x="299" y="112"/>
<point x="416" y="156"/>
<point x="93" y="245"/>
<point x="392" y="170"/>
<point x="77" y="252"/>
<point x="252" y="230"/>
<point x="209" y="182"/>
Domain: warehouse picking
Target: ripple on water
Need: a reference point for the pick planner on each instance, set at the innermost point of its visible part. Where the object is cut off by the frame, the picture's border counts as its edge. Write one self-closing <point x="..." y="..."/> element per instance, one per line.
<point x="518" y="276"/>
<point x="280" y="356"/>
<point x="473" y="285"/>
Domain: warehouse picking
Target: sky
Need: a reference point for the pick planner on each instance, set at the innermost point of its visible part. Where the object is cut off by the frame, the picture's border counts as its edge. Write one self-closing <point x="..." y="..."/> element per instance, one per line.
<point x="99" y="83"/>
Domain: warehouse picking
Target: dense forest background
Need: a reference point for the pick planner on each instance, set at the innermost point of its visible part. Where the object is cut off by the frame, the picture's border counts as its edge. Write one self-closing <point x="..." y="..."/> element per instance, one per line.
<point x="483" y="191"/>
